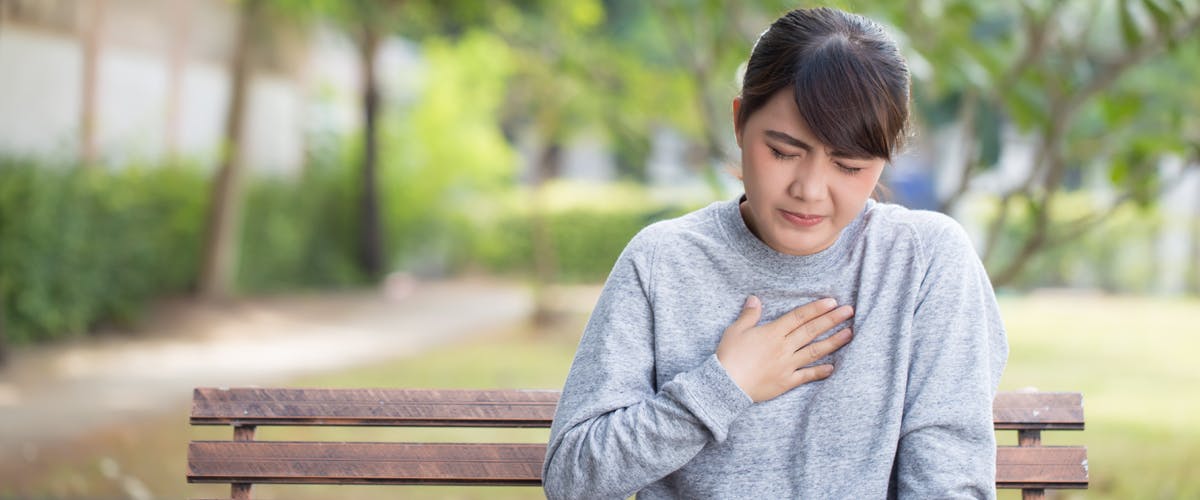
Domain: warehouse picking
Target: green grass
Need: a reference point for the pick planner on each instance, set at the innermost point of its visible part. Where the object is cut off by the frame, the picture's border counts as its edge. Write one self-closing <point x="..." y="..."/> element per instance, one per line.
<point x="1133" y="358"/>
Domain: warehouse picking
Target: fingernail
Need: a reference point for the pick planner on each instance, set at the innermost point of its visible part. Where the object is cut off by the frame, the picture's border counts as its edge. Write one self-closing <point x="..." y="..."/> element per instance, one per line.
<point x="829" y="302"/>
<point x="752" y="302"/>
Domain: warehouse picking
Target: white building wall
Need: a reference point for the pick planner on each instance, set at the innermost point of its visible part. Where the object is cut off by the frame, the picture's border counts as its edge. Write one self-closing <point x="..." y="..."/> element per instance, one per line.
<point x="39" y="92"/>
<point x="1179" y="206"/>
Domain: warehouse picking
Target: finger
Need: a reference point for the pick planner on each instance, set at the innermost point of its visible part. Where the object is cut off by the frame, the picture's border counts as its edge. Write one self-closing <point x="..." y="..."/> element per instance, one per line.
<point x="751" y="313"/>
<point x="810" y="374"/>
<point x="807" y="332"/>
<point x="801" y="315"/>
<point x="817" y="350"/>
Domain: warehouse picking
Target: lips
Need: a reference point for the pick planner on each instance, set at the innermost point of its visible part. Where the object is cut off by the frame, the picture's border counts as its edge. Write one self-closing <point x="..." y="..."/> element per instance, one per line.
<point x="802" y="220"/>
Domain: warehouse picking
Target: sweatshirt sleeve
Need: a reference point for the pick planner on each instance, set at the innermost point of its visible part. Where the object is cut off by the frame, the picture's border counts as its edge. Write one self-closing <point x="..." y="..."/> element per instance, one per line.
<point x="947" y="446"/>
<point x="614" y="432"/>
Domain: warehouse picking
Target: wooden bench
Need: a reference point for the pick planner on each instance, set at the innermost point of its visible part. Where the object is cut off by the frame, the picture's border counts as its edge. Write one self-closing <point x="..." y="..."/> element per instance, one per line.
<point x="243" y="461"/>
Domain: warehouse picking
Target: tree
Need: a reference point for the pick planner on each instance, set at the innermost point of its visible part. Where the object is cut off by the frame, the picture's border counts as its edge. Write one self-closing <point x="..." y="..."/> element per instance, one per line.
<point x="549" y="93"/>
<point x="369" y="23"/>
<point x="706" y="40"/>
<point x="92" y="40"/>
<point x="370" y="16"/>
<point x="218" y="268"/>
<point x="1079" y="78"/>
<point x="178" y="13"/>
<point x="1193" y="271"/>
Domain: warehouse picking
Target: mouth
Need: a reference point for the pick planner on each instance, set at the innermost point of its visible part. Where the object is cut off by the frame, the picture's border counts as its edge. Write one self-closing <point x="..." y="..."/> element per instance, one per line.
<point x="802" y="220"/>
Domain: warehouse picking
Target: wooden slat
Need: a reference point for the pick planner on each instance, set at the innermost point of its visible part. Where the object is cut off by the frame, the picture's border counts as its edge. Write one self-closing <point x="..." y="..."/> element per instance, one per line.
<point x="386" y="407"/>
<point x="1041" y="467"/>
<point x="364" y="463"/>
<point x="502" y="464"/>
<point x="1038" y="410"/>
<point x="506" y="408"/>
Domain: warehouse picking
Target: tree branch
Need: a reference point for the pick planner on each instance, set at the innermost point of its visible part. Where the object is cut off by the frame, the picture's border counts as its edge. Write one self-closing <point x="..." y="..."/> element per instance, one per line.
<point x="1038" y="32"/>
<point x="1109" y="73"/>
<point x="997" y="225"/>
<point x="967" y="118"/>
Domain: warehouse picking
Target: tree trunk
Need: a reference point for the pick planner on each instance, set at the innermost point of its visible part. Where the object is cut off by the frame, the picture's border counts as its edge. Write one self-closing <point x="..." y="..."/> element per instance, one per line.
<point x="177" y="57"/>
<point x="1193" y="281"/>
<point x="371" y="232"/>
<point x="3" y="327"/>
<point x="545" y="258"/>
<point x="92" y="29"/>
<point x="219" y="267"/>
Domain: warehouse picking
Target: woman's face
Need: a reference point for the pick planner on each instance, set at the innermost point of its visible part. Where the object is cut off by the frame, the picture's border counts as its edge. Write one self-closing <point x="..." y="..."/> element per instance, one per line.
<point x="799" y="193"/>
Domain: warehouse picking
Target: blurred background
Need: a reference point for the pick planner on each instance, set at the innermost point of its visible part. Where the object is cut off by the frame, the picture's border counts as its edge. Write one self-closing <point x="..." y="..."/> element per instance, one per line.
<point x="421" y="193"/>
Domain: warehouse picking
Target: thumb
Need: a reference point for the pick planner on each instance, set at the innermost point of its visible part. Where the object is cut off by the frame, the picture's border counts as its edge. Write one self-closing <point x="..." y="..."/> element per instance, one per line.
<point x="751" y="313"/>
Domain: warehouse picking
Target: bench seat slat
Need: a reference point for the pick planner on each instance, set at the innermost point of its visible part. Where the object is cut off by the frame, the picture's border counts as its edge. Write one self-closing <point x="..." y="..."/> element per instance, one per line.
<point x="502" y="464"/>
<point x="365" y="463"/>
<point x="1038" y="410"/>
<point x="1041" y="467"/>
<point x="505" y="408"/>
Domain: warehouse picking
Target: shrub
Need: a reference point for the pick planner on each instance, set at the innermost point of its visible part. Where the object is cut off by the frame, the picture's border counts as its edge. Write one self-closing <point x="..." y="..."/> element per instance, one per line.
<point x="81" y="245"/>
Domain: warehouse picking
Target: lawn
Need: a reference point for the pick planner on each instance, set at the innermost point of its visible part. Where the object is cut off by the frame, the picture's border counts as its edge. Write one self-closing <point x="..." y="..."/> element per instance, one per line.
<point x="1133" y="358"/>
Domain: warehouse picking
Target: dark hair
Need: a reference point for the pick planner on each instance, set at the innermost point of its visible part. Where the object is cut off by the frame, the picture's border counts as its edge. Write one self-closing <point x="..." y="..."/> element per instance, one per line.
<point x="847" y="77"/>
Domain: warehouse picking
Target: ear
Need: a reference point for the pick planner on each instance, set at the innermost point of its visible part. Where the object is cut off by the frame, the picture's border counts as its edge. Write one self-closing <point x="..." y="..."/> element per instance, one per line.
<point x="737" y="130"/>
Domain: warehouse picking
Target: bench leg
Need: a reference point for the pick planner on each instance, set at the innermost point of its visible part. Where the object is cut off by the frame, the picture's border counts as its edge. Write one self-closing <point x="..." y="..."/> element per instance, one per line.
<point x="1031" y="438"/>
<point x="240" y="491"/>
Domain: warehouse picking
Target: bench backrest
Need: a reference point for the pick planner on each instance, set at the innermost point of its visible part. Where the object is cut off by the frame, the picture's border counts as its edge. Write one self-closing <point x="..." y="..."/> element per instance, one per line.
<point x="243" y="461"/>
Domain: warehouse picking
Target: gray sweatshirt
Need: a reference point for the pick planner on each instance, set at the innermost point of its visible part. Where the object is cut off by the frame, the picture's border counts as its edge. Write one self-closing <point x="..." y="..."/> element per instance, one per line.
<point x="647" y="407"/>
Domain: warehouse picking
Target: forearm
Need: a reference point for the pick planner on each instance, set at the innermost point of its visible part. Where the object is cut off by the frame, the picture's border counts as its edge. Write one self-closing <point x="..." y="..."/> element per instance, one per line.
<point x="618" y="452"/>
<point x="951" y="457"/>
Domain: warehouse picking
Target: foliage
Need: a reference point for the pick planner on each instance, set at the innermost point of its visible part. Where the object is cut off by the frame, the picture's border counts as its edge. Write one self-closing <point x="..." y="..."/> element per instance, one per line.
<point x="78" y="246"/>
<point x="82" y="247"/>
<point x="300" y="234"/>
<point x="445" y="148"/>
<point x="1118" y="255"/>
<point x="588" y="228"/>
<point x="1094" y="86"/>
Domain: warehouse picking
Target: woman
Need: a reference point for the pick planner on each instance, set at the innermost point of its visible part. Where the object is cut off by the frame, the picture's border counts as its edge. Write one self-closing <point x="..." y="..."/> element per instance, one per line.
<point x="718" y="362"/>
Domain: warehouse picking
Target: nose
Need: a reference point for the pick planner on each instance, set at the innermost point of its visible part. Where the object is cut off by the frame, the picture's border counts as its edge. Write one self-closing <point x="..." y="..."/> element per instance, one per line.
<point x="810" y="182"/>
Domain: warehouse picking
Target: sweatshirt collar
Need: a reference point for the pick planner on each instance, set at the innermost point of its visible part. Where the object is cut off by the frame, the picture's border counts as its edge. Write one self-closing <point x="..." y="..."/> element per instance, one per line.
<point x="763" y="257"/>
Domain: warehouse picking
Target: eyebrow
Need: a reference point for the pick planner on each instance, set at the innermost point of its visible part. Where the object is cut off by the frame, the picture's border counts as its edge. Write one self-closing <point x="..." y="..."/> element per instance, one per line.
<point x="792" y="141"/>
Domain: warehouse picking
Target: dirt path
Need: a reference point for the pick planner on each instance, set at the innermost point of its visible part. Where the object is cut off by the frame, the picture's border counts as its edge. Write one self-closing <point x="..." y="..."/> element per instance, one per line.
<point x="57" y="393"/>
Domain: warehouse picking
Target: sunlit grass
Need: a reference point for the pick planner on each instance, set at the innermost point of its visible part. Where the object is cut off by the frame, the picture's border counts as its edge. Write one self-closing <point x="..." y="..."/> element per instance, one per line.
<point x="1133" y="358"/>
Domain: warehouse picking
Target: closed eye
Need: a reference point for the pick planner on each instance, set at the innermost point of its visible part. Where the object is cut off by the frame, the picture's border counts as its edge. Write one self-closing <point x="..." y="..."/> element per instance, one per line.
<point x="779" y="155"/>
<point x="848" y="170"/>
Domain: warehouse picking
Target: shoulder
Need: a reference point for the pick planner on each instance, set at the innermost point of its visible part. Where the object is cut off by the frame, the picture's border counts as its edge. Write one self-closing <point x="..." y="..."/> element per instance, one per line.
<point x="933" y="233"/>
<point x="671" y="233"/>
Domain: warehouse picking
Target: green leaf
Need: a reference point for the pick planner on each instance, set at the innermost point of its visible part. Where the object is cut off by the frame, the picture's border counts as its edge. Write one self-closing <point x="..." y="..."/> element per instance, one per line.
<point x="1026" y="107"/>
<point x="1129" y="29"/>
<point x="1118" y="170"/>
<point x="1162" y="19"/>
<point x="988" y="133"/>
<point x="1119" y="109"/>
